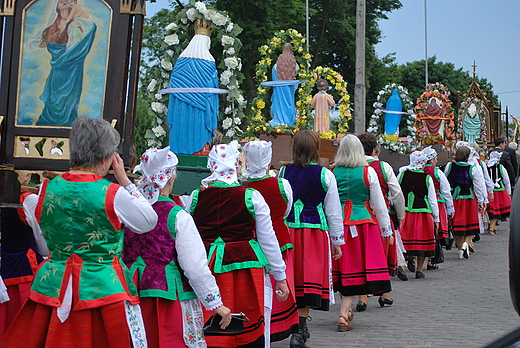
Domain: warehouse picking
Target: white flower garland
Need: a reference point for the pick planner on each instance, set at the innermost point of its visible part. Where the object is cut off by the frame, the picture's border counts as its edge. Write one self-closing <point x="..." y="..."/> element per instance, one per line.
<point x="232" y="114"/>
<point x="376" y="124"/>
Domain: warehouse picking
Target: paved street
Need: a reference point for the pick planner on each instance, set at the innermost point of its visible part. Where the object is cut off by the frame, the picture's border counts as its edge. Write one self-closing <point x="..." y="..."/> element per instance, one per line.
<point x="465" y="303"/>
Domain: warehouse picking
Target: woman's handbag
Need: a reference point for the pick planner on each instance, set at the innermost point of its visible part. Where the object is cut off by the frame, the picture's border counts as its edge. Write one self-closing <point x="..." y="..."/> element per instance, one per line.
<point x="236" y="324"/>
<point x="448" y="242"/>
<point x="439" y="253"/>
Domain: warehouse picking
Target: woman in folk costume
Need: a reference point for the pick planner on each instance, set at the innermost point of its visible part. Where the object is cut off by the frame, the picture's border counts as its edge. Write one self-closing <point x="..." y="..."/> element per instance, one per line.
<point x="314" y="222"/>
<point x="422" y="211"/>
<point x="170" y="263"/>
<point x="500" y="206"/>
<point x="442" y="191"/>
<point x="83" y="295"/>
<point x="469" y="195"/>
<point x="236" y="228"/>
<point x="474" y="158"/>
<point x="277" y="193"/>
<point x="22" y="249"/>
<point x="393" y="196"/>
<point x="363" y="268"/>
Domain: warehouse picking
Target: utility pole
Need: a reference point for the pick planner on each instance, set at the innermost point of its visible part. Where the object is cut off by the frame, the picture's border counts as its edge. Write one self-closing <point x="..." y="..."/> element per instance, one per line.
<point x="360" y="88"/>
<point x="426" y="43"/>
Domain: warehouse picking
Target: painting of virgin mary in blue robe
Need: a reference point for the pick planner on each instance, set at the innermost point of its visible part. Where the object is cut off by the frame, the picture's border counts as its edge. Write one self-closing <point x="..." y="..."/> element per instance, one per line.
<point x="63" y="69"/>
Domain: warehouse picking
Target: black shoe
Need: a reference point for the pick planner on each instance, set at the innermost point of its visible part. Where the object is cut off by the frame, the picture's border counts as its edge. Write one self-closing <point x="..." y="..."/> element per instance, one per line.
<point x="361" y="306"/>
<point x="419" y="275"/>
<point x="385" y="301"/>
<point x="297" y="340"/>
<point x="401" y="274"/>
<point x="303" y="327"/>
<point x="432" y="267"/>
<point x="476" y="238"/>
<point x="411" y="264"/>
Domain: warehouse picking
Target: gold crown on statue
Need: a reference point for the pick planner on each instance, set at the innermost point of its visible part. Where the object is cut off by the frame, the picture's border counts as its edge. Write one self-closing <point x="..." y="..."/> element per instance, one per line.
<point x="202" y="27"/>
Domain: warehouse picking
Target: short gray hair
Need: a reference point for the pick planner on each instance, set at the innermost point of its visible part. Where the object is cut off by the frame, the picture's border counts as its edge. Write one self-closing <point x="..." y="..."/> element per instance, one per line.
<point x="91" y="141"/>
<point x="350" y="153"/>
<point x="513" y="145"/>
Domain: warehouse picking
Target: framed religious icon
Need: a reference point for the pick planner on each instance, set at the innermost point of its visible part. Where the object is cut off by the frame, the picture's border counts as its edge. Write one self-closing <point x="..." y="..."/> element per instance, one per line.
<point x="63" y="59"/>
<point x="63" y="62"/>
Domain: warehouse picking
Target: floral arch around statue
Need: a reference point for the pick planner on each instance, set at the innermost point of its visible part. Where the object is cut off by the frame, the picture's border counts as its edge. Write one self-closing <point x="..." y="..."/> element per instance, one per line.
<point x="268" y="56"/>
<point x="376" y="124"/>
<point x="304" y="119"/>
<point x="435" y="117"/>
<point x="472" y="122"/>
<point x="341" y="96"/>
<point x="176" y="38"/>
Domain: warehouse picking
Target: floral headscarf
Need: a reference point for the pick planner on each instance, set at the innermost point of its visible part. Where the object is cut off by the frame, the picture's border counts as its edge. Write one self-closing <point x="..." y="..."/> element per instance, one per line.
<point x="429" y="152"/>
<point x="223" y="161"/>
<point x="258" y="156"/>
<point x="461" y="143"/>
<point x="417" y="160"/>
<point x="494" y="157"/>
<point x="157" y="166"/>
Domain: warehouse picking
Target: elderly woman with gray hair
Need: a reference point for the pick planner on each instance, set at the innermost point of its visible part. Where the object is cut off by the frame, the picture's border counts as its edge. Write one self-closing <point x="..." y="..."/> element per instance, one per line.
<point x="83" y="295"/>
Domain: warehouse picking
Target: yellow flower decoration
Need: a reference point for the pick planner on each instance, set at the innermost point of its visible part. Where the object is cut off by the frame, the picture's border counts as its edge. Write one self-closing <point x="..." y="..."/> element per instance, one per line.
<point x="269" y="54"/>
<point x="340" y="89"/>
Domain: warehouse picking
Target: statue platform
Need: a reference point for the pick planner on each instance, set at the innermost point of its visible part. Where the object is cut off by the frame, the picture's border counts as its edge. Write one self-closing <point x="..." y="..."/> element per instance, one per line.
<point x="192" y="169"/>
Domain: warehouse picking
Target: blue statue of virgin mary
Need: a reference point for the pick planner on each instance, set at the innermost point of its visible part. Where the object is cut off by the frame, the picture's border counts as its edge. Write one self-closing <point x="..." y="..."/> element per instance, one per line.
<point x="193" y="116"/>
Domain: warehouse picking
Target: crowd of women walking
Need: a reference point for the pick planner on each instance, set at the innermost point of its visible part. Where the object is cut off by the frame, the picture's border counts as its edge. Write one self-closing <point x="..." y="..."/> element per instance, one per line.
<point x="242" y="260"/>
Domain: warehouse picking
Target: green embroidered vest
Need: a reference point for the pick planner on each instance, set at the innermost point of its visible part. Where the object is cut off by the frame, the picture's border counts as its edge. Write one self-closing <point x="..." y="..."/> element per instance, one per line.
<point x="354" y="194"/>
<point x="85" y="240"/>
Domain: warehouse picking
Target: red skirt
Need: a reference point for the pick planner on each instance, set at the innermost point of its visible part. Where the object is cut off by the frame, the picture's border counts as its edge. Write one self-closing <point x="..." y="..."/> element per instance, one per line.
<point x="500" y="206"/>
<point x="362" y="269"/>
<point x="284" y="315"/>
<point x="418" y="234"/>
<point x="38" y="325"/>
<point x="311" y="267"/>
<point x="18" y="294"/>
<point x="163" y="322"/>
<point x="465" y="220"/>
<point x="443" y="224"/>
<point x="242" y="290"/>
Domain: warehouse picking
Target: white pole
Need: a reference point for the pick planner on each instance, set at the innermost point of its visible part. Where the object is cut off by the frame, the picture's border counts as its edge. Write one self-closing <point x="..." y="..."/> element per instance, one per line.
<point x="426" y="42"/>
<point x="307" y="23"/>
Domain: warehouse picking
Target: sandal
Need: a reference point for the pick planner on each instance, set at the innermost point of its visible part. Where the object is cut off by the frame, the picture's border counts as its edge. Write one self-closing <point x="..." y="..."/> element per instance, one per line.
<point x="491" y="231"/>
<point x="344" y="327"/>
<point x="350" y="314"/>
<point x="431" y="266"/>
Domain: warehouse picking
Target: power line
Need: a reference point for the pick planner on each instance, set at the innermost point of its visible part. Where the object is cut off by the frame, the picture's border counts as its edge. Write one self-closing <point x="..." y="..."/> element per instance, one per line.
<point x="508" y="92"/>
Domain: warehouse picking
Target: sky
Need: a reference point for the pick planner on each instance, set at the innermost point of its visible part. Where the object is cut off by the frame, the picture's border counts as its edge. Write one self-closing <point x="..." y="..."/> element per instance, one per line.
<point x="458" y="32"/>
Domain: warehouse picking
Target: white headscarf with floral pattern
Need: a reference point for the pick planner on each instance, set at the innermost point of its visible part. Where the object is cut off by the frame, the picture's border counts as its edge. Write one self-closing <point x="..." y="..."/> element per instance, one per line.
<point x="258" y="156"/>
<point x="157" y="166"/>
<point x="494" y="157"/>
<point x="461" y="143"/>
<point x="429" y="152"/>
<point x="417" y="160"/>
<point x="223" y="161"/>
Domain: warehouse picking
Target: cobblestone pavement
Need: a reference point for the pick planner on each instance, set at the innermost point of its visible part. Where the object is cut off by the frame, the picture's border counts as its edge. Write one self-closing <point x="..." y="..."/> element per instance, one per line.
<point x="465" y="303"/>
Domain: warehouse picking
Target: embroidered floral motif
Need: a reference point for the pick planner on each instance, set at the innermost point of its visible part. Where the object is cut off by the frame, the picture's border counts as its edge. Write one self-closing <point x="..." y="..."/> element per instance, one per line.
<point x="188" y="317"/>
<point x="209" y="298"/>
<point x="136" y="329"/>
